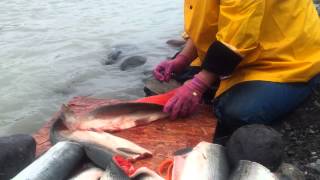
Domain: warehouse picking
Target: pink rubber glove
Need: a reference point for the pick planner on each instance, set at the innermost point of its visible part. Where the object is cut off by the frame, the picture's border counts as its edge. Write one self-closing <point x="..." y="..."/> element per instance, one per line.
<point x="186" y="99"/>
<point x="164" y="70"/>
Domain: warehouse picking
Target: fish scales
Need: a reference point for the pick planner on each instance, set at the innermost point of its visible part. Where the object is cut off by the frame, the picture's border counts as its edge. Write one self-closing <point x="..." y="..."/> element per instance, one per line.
<point x="92" y="173"/>
<point x="113" y="172"/>
<point x="247" y="170"/>
<point x="206" y="162"/>
<point x="55" y="164"/>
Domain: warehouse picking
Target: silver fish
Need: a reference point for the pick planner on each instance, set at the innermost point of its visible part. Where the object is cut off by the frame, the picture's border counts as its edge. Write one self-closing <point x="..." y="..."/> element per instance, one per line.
<point x="113" y="172"/>
<point x="144" y="173"/>
<point x="206" y="162"/>
<point x="92" y="173"/>
<point x="179" y="159"/>
<point x="109" y="142"/>
<point x="56" y="164"/>
<point x="113" y="117"/>
<point x="247" y="170"/>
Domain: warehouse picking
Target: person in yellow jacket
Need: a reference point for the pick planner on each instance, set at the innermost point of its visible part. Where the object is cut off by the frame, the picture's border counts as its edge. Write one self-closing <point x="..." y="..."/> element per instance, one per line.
<point x="266" y="54"/>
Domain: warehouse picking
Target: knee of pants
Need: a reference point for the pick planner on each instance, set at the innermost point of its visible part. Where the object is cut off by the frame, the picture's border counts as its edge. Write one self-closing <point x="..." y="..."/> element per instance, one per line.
<point x="234" y="117"/>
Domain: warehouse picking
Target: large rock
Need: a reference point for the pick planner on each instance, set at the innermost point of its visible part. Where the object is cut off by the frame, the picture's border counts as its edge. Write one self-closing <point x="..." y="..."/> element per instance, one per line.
<point x="154" y="87"/>
<point x="176" y="42"/>
<point x="132" y="62"/>
<point x="257" y="143"/>
<point x="16" y="152"/>
<point x="113" y="56"/>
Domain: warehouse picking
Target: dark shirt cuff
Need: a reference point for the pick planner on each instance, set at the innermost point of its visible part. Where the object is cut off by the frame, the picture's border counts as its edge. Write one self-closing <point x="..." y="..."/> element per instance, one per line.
<point x="220" y="59"/>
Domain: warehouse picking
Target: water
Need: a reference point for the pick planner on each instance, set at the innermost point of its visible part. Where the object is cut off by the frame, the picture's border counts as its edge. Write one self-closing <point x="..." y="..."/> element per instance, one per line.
<point x="317" y="4"/>
<point x="51" y="51"/>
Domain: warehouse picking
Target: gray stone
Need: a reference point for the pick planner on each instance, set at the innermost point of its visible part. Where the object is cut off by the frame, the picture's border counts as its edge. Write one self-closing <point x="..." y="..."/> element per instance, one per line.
<point x="257" y="143"/>
<point x="290" y="153"/>
<point x="113" y="56"/>
<point x="153" y="86"/>
<point x="132" y="62"/>
<point x="287" y="126"/>
<point x="16" y="153"/>
<point x="311" y="131"/>
<point x="315" y="166"/>
<point x="289" y="172"/>
<point x="176" y="42"/>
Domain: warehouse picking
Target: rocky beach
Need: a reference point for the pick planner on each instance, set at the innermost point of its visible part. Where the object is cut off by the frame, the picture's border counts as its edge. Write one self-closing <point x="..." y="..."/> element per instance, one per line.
<point x="301" y="133"/>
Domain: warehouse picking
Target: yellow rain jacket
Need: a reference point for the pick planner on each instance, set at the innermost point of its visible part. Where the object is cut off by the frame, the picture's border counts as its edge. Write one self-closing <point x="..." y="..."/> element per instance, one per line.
<point x="279" y="40"/>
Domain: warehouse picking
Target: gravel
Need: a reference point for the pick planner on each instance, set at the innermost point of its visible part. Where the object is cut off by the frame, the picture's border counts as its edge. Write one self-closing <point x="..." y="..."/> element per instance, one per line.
<point x="301" y="133"/>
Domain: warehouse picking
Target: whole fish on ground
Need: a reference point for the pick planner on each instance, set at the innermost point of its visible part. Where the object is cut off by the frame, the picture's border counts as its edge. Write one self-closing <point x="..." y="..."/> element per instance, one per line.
<point x="113" y="117"/>
<point x="206" y="161"/>
<point x="55" y="164"/>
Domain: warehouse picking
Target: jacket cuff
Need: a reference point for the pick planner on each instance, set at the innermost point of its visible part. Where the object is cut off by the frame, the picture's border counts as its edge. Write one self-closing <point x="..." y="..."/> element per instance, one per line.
<point x="220" y="59"/>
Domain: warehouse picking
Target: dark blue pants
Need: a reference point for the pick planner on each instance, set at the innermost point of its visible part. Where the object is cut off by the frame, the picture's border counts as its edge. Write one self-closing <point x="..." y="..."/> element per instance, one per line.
<point x="253" y="102"/>
<point x="258" y="102"/>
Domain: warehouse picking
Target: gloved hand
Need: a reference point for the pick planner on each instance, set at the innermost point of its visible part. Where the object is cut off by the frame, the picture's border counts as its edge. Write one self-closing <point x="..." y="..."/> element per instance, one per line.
<point x="164" y="70"/>
<point x="186" y="99"/>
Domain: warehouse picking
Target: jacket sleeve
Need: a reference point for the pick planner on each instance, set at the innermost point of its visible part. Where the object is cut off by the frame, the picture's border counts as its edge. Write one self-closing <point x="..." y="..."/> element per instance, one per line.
<point x="238" y="34"/>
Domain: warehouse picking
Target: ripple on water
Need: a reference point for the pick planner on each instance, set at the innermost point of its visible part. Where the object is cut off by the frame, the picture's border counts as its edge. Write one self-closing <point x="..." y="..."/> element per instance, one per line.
<point x="52" y="50"/>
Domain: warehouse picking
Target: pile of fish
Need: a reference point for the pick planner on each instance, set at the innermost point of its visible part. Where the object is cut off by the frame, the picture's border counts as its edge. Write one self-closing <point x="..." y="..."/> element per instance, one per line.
<point x="208" y="161"/>
<point x="79" y="138"/>
<point x="88" y="137"/>
<point x="91" y="129"/>
<point x="205" y="161"/>
<point x="65" y="157"/>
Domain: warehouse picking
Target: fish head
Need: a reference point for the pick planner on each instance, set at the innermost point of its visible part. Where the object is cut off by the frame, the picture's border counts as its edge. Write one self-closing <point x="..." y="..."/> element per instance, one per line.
<point x="68" y="118"/>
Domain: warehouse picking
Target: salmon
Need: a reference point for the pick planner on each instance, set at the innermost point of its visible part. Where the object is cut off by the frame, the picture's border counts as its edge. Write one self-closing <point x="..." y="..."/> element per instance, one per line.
<point x="91" y="129"/>
<point x="206" y="161"/>
<point x="247" y="170"/>
<point x="144" y="173"/>
<point x="109" y="142"/>
<point x="55" y="164"/>
<point x="113" y="172"/>
<point x="112" y="118"/>
<point x="92" y="173"/>
<point x="179" y="159"/>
